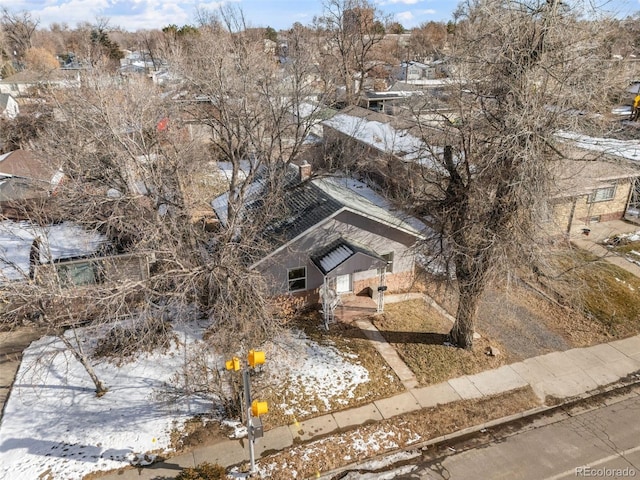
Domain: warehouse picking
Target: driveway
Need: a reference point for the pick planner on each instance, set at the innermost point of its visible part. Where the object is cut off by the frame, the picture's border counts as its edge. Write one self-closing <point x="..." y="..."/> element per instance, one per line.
<point x="12" y="344"/>
<point x="599" y="231"/>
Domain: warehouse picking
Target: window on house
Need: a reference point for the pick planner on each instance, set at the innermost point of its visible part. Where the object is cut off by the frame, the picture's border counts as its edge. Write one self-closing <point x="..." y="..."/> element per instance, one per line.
<point x="79" y="273"/>
<point x="389" y="258"/>
<point x="297" y="279"/>
<point x="602" y="194"/>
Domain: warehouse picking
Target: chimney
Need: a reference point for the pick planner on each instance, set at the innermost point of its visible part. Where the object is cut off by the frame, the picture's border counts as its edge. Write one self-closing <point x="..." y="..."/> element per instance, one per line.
<point x="304" y="171"/>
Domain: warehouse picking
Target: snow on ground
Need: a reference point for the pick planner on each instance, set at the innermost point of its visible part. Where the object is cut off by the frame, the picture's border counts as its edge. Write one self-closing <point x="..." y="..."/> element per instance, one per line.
<point x="54" y="422"/>
<point x="309" y="369"/>
<point x="349" y="447"/>
<point x="629" y="149"/>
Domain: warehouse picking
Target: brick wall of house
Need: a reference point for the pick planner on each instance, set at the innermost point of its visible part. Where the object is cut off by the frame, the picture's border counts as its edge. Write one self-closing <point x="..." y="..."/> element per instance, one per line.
<point x="585" y="212"/>
<point x="395" y="282"/>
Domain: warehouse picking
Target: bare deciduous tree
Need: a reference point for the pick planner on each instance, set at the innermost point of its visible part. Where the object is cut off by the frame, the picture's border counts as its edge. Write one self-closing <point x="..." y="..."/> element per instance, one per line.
<point x="136" y="172"/>
<point x="347" y="32"/>
<point x="18" y="29"/>
<point x="521" y="71"/>
<point x="257" y="116"/>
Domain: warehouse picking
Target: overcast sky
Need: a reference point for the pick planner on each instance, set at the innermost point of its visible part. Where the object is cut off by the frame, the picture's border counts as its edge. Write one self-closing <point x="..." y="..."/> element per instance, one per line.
<point x="279" y="14"/>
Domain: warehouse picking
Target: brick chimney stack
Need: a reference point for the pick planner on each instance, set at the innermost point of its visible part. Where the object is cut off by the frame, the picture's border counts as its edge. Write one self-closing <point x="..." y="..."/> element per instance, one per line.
<point x="305" y="170"/>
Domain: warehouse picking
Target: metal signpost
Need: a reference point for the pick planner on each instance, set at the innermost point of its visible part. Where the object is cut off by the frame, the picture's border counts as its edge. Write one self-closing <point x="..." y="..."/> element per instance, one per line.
<point x="252" y="408"/>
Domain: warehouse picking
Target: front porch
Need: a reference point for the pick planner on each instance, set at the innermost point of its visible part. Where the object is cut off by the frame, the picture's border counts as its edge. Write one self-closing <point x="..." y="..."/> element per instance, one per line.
<point x="353" y="307"/>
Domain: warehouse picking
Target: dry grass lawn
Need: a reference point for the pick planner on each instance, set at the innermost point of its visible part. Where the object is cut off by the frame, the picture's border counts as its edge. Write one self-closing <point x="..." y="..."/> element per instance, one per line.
<point x="417" y="332"/>
<point x="607" y="295"/>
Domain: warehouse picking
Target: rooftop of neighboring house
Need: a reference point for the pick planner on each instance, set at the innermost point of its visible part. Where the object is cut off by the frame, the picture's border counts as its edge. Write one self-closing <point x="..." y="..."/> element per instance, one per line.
<point x="30" y="76"/>
<point x="59" y="241"/>
<point x="29" y="165"/>
<point x="389" y="135"/>
<point x="593" y="163"/>
<point x="624" y="149"/>
<point x="391" y="94"/>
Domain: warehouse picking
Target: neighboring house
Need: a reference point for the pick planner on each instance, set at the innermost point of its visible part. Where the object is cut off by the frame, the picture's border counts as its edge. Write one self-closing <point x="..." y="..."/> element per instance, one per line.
<point x="591" y="191"/>
<point x="25" y="83"/>
<point x="386" y="148"/>
<point x="25" y="177"/>
<point x="597" y="182"/>
<point x="141" y="63"/>
<point x="20" y="252"/>
<point x="417" y="72"/>
<point x="384" y="101"/>
<point x="63" y="252"/>
<point x="9" y="108"/>
<point x="337" y="237"/>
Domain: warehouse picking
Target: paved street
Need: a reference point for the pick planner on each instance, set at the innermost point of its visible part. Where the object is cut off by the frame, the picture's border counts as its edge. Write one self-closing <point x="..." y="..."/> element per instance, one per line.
<point x="601" y="443"/>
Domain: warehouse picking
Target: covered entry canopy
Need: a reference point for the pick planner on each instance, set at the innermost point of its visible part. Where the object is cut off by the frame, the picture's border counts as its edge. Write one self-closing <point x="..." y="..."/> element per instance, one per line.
<point x="342" y="257"/>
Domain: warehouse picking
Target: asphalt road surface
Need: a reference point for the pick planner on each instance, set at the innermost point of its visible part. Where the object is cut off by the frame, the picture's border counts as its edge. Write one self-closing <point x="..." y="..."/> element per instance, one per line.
<point x="600" y="443"/>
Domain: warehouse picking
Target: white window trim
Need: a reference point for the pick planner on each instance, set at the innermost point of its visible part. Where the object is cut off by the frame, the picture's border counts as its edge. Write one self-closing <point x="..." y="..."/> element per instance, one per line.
<point x="593" y="196"/>
<point x="389" y="266"/>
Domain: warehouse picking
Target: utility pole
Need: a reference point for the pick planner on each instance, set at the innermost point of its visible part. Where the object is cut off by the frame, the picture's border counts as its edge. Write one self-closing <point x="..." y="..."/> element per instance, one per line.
<point x="252" y="408"/>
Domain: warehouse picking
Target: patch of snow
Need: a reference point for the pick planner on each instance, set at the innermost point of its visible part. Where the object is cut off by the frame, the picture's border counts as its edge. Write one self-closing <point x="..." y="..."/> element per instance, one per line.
<point x="314" y="370"/>
<point x="114" y="193"/>
<point x="399" y="472"/>
<point x="624" y="110"/>
<point x="382" y="137"/>
<point x="54" y="422"/>
<point x="59" y="241"/>
<point x="374" y="442"/>
<point x="629" y="149"/>
<point x="238" y="429"/>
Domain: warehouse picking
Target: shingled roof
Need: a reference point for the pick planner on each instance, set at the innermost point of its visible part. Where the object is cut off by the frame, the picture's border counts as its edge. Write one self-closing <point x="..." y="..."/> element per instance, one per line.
<point x="310" y="203"/>
<point x="26" y="164"/>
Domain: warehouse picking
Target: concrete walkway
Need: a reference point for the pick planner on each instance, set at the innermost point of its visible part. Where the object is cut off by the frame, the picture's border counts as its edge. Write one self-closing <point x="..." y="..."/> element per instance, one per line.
<point x="389" y="353"/>
<point x="601" y="231"/>
<point x="560" y="375"/>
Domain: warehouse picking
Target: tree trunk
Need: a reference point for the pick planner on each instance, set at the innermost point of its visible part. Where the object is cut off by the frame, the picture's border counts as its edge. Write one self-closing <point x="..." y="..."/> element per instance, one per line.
<point x="461" y="334"/>
<point x="84" y="361"/>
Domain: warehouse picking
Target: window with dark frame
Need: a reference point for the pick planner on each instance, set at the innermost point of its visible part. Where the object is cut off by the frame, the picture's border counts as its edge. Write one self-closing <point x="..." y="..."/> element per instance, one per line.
<point x="79" y="273"/>
<point x="297" y="279"/>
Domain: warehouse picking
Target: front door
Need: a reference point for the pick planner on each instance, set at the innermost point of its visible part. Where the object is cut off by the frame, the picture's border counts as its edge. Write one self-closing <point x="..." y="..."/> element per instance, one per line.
<point x="343" y="283"/>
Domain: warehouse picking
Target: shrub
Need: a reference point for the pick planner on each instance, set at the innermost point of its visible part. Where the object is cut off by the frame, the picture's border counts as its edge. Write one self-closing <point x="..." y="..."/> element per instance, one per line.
<point x="203" y="471"/>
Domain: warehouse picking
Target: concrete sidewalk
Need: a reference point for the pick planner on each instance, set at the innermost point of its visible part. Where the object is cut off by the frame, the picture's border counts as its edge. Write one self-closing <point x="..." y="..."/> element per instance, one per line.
<point x="561" y="375"/>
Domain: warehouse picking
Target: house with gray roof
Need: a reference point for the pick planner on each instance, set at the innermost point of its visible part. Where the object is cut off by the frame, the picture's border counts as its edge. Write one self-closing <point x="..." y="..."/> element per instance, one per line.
<point x="338" y="236"/>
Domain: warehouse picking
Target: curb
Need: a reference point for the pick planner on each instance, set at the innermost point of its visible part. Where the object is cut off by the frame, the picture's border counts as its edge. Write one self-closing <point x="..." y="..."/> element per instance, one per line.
<point x="474" y="430"/>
